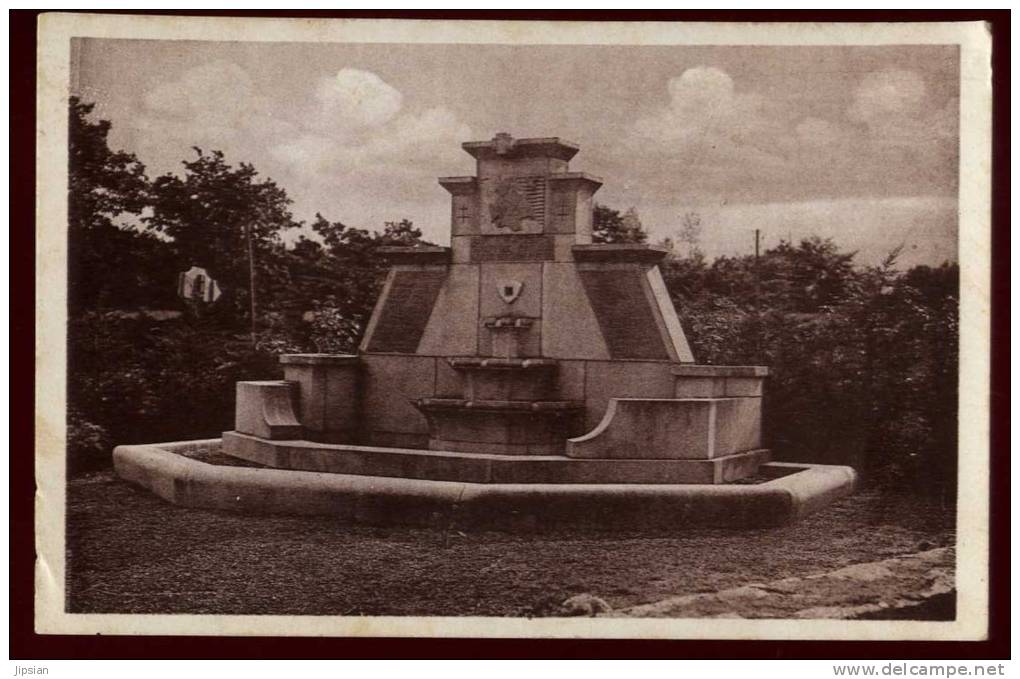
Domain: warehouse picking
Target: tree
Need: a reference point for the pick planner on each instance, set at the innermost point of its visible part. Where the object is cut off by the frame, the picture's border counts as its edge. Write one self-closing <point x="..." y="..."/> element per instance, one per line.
<point x="811" y="275"/>
<point x="401" y="233"/>
<point x="863" y="360"/>
<point x="352" y="267"/>
<point x="109" y="262"/>
<point x="227" y="220"/>
<point x="340" y="279"/>
<point x="690" y="234"/>
<point x="103" y="184"/>
<point x="608" y="226"/>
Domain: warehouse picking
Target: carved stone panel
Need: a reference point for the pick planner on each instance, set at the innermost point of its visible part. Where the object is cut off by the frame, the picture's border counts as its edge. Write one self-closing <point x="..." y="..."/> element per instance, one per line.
<point x="406" y="311"/>
<point x="513" y="204"/>
<point x="512" y="249"/>
<point x="624" y="313"/>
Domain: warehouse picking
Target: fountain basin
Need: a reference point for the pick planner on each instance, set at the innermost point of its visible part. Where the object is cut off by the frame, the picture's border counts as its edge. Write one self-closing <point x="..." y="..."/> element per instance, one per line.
<point x="166" y="470"/>
<point x="503" y="427"/>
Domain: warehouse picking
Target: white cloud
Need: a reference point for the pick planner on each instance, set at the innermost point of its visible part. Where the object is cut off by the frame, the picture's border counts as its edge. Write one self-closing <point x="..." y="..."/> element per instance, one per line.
<point x="384" y="173"/>
<point x="702" y="101"/>
<point x="406" y="143"/>
<point x="886" y="96"/>
<point x="213" y="106"/>
<point x="710" y="137"/>
<point x="355" y="153"/>
<point x="357" y="98"/>
<point x="702" y="93"/>
<point x="900" y="118"/>
<point x="714" y="140"/>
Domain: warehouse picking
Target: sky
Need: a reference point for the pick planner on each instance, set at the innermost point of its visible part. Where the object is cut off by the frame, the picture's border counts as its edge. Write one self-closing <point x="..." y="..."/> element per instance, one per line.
<point x="859" y="144"/>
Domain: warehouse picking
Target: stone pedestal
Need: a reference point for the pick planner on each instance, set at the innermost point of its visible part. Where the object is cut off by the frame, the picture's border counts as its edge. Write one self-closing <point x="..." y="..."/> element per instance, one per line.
<point x="691" y="429"/>
<point x="327" y="386"/>
<point x="501" y="379"/>
<point x="500" y="427"/>
<point x="508" y="408"/>
<point x="717" y="381"/>
<point x="266" y="410"/>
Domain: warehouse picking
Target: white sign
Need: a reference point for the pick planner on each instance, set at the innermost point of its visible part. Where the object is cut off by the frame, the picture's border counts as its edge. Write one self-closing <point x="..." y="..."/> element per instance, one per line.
<point x="197" y="284"/>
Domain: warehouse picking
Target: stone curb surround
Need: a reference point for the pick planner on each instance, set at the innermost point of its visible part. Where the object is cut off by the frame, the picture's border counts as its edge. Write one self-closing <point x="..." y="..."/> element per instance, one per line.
<point x="166" y="471"/>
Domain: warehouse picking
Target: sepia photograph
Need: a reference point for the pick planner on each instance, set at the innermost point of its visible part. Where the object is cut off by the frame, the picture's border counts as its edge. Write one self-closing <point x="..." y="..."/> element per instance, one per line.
<point x="492" y="328"/>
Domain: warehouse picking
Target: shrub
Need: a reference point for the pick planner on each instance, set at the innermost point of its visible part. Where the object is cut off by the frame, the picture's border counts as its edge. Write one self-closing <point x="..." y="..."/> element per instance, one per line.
<point x="88" y="444"/>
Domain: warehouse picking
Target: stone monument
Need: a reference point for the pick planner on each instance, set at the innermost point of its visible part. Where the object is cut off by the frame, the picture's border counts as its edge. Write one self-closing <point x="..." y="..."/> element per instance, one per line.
<point x="528" y="365"/>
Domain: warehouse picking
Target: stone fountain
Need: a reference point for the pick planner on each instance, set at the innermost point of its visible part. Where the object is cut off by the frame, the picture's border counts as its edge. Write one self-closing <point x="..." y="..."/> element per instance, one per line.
<point x="521" y="374"/>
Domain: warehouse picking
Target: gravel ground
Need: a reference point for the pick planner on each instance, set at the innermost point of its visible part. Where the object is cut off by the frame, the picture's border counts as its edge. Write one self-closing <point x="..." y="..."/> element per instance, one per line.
<point x="130" y="552"/>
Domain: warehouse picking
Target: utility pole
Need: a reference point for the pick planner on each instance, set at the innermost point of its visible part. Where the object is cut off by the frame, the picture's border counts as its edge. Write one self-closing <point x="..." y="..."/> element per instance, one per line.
<point x="251" y="276"/>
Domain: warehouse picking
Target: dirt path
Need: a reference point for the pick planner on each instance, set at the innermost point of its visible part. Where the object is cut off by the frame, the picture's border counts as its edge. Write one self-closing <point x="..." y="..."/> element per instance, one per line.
<point x="876" y="589"/>
<point x="129" y="552"/>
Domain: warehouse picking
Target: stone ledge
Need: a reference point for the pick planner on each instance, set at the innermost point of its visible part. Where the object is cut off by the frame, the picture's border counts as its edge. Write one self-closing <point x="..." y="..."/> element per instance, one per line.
<point x="438" y="403"/>
<point x="319" y="359"/>
<point x="504" y="506"/>
<point x="534" y="147"/>
<point x="618" y="252"/>
<point x="458" y="185"/>
<point x="419" y="255"/>
<point x="483" y="363"/>
<point x="720" y="371"/>
<point x="448" y="464"/>
<point x="579" y="177"/>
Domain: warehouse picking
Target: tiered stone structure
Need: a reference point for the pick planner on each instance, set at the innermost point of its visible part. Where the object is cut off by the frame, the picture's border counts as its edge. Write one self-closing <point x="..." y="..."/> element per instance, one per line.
<point x="523" y="376"/>
<point x="524" y="338"/>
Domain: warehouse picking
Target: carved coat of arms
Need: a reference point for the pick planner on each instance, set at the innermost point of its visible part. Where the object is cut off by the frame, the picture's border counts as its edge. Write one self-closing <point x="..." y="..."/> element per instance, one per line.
<point x="509" y="208"/>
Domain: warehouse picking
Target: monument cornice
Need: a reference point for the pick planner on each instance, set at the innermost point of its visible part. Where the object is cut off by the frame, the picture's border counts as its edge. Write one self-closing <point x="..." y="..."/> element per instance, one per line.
<point x="410" y="254"/>
<point x="459" y="185"/>
<point x="538" y="147"/>
<point x="618" y="252"/>
<point x="690" y="370"/>
<point x="582" y="178"/>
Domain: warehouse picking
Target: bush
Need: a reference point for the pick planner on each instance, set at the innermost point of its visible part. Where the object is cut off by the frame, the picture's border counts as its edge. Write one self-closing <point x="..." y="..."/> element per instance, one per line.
<point x="88" y="444"/>
<point x="863" y="360"/>
<point x="140" y="380"/>
<point x="332" y="332"/>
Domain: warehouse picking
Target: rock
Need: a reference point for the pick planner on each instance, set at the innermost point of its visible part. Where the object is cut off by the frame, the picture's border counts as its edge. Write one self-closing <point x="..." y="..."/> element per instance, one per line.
<point x="584" y="605"/>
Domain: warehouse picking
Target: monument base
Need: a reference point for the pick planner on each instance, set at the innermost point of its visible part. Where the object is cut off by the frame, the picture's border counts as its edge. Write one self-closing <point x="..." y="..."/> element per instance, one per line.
<point x="436" y="465"/>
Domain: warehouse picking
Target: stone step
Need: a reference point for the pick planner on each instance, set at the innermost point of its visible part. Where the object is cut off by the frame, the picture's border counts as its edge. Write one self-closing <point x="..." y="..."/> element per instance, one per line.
<point x="487" y="468"/>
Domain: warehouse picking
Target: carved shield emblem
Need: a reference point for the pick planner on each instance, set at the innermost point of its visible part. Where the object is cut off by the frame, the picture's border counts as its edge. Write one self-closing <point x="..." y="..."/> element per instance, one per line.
<point x="509" y="291"/>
